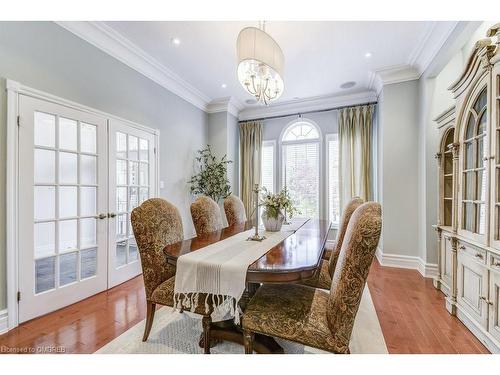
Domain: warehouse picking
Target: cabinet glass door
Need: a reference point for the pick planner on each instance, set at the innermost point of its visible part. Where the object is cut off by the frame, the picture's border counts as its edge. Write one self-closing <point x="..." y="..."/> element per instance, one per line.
<point x="474" y="172"/>
<point x="495" y="162"/>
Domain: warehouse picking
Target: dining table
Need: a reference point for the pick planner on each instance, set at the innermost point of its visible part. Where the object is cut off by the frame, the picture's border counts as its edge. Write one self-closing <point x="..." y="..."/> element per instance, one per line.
<point x="296" y="258"/>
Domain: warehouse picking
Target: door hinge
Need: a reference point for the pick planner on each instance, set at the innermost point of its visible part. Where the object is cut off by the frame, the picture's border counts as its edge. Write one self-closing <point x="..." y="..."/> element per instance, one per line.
<point x="18" y="296"/>
<point x="18" y="120"/>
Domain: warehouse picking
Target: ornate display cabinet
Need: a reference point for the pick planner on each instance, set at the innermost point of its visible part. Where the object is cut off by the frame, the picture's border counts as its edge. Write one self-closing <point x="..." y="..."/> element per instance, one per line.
<point x="447" y="164"/>
<point x="469" y="187"/>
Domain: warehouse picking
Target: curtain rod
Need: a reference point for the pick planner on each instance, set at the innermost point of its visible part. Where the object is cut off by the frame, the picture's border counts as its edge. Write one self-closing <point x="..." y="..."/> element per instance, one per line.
<point x="307" y="112"/>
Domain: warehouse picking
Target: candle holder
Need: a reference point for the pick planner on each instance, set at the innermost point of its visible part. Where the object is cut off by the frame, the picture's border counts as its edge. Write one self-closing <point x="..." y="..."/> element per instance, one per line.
<point x="256" y="236"/>
<point x="286" y="222"/>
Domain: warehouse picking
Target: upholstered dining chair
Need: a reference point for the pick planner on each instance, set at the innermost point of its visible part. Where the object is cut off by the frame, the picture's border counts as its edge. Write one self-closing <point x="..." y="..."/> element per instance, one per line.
<point x="323" y="277"/>
<point x="206" y="215"/>
<point x="156" y="224"/>
<point x="312" y="316"/>
<point x="234" y="209"/>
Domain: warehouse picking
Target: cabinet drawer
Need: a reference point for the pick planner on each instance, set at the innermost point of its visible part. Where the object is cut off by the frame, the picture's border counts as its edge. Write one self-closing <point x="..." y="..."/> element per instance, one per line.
<point x="479" y="255"/>
<point x="495" y="262"/>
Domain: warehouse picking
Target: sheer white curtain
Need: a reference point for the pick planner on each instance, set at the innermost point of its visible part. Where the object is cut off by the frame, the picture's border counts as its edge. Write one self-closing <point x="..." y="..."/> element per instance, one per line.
<point x="355" y="152"/>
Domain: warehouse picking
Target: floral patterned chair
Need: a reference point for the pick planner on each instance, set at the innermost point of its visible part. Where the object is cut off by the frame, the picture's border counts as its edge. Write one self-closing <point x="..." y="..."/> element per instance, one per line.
<point x="156" y="224"/>
<point x="312" y="316"/>
<point x="234" y="209"/>
<point x="206" y="215"/>
<point x="323" y="278"/>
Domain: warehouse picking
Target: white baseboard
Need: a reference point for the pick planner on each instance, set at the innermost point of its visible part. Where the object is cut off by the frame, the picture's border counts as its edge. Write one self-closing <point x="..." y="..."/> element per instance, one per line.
<point x="406" y="261"/>
<point x="4" y="321"/>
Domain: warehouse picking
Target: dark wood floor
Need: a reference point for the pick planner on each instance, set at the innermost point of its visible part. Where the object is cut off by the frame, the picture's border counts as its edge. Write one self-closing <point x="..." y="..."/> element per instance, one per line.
<point x="410" y="310"/>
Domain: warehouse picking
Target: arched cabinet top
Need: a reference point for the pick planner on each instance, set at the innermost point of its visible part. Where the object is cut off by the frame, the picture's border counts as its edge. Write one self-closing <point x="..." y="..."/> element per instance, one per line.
<point x="476" y="67"/>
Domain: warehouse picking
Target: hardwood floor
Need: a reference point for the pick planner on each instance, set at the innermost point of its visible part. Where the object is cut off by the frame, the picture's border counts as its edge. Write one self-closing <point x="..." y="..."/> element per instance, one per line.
<point x="413" y="317"/>
<point x="410" y="310"/>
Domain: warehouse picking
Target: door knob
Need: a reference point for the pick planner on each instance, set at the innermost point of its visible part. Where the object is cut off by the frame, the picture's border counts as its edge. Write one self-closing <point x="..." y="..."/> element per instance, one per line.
<point x="101" y="216"/>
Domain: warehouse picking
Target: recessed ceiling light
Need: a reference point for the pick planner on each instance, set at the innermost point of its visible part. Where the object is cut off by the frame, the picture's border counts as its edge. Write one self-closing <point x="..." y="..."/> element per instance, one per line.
<point x="175" y="41"/>
<point x="368" y="55"/>
<point x="223" y="85"/>
<point x="347" y="85"/>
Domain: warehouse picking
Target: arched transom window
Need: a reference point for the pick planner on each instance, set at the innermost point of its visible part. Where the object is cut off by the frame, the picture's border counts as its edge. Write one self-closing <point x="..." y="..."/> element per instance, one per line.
<point x="474" y="179"/>
<point x="300" y="131"/>
<point x="301" y="163"/>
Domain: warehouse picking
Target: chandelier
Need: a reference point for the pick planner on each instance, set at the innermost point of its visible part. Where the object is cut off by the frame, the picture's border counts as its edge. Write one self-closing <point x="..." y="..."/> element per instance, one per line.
<point x="260" y="64"/>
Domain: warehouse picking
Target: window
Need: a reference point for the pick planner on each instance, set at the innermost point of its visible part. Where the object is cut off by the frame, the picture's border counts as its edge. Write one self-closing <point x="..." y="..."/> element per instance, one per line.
<point x="301" y="163"/>
<point x="332" y="148"/>
<point x="474" y="179"/>
<point x="267" y="160"/>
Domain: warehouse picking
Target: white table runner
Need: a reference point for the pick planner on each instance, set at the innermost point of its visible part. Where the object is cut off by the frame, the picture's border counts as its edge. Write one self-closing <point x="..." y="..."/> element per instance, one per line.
<point x="220" y="270"/>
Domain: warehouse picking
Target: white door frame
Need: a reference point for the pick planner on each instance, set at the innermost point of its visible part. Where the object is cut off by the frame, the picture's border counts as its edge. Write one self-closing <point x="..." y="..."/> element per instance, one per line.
<point x="14" y="89"/>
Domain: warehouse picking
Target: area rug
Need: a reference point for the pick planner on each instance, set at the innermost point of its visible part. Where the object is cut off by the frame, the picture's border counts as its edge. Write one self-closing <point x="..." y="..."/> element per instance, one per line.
<point x="175" y="333"/>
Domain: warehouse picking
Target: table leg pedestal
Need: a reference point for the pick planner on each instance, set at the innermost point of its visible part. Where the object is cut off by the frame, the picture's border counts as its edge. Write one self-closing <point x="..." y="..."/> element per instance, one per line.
<point x="227" y="330"/>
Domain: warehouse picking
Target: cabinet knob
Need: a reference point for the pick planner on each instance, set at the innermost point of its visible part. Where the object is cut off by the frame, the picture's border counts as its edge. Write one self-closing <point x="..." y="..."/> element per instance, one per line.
<point x="101" y="216"/>
<point x="462" y="247"/>
<point x="111" y="214"/>
<point x="496" y="264"/>
<point x="479" y="255"/>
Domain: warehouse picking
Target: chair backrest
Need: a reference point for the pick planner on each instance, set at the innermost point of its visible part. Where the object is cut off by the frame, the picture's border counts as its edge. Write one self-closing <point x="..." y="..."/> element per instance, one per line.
<point x="156" y="224"/>
<point x="206" y="215"/>
<point x="344" y="222"/>
<point x="235" y="210"/>
<point x="353" y="265"/>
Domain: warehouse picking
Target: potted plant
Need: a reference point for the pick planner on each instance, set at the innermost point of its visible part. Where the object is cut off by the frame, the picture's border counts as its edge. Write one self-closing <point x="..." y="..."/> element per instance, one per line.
<point x="211" y="177"/>
<point x="274" y="205"/>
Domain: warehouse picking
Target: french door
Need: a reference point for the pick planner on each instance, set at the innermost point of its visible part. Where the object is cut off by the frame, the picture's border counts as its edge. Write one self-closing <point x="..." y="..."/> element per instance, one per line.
<point x="62" y="182"/>
<point x="80" y="176"/>
<point x="132" y="180"/>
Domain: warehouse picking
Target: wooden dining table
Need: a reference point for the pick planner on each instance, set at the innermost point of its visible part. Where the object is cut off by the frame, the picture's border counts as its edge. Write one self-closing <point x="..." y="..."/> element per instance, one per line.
<point x="296" y="258"/>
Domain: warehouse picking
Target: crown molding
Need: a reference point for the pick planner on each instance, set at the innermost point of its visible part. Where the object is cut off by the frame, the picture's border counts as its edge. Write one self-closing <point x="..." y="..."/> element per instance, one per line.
<point x="391" y="75"/>
<point x="317" y="103"/>
<point x="229" y="104"/>
<point x="431" y="44"/>
<point x="424" y="52"/>
<point x="114" y="44"/>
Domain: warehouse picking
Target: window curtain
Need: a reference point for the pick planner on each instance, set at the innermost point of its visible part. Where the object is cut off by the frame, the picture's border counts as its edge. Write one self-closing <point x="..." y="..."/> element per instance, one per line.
<point x="355" y="153"/>
<point x="250" y="151"/>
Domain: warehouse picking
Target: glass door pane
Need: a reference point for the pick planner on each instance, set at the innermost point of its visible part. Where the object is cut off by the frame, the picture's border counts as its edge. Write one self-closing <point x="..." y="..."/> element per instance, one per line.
<point x="132" y="181"/>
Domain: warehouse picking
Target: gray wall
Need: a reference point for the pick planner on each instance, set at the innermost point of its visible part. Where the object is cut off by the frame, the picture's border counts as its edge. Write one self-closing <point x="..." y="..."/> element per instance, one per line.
<point x="224" y="138"/>
<point x="398" y="168"/>
<point x="46" y="57"/>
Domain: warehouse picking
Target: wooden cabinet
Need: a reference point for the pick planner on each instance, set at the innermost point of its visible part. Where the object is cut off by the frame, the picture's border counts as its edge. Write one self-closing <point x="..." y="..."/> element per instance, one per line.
<point x="469" y="194"/>
<point x="494" y="303"/>
<point x="472" y="284"/>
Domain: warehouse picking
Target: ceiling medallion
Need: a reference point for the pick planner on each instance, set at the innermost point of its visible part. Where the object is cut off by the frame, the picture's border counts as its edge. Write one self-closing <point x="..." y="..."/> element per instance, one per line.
<point x="260" y="64"/>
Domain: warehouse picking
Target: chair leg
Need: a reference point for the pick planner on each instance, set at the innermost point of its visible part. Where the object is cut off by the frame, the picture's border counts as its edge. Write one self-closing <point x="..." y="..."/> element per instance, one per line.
<point x="206" y="321"/>
<point x="248" y="341"/>
<point x="150" y="314"/>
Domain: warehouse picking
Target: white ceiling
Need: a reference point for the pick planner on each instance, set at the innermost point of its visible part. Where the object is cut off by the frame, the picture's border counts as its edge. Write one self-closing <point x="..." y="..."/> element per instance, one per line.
<point x="319" y="56"/>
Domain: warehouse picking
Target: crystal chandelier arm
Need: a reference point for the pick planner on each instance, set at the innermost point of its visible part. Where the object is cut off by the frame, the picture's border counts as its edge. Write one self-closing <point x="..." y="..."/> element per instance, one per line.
<point x="256" y="92"/>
